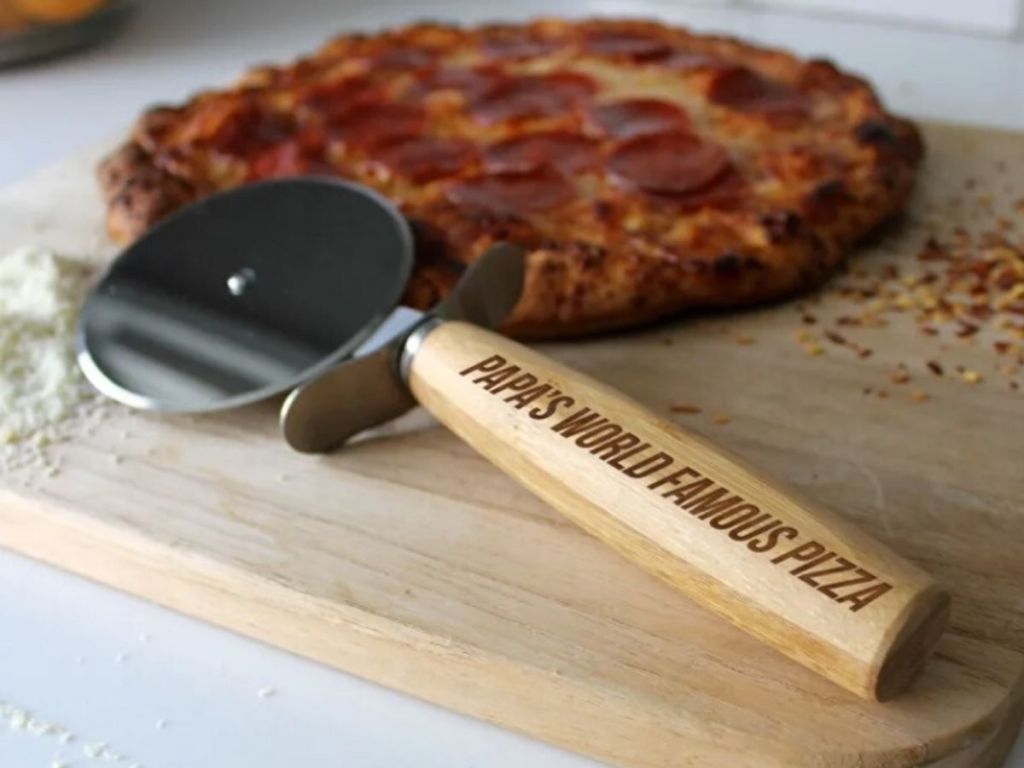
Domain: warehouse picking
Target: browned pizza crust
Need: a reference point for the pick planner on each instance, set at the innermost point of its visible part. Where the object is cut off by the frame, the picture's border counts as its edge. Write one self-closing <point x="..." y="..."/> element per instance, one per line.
<point x="792" y="162"/>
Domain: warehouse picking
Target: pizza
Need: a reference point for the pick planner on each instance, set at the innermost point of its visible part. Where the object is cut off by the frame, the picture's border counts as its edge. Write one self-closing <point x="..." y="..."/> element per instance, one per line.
<point x="647" y="170"/>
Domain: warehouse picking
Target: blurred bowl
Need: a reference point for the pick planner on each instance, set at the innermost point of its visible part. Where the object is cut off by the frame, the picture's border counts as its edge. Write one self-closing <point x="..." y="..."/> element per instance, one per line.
<point x="36" y="29"/>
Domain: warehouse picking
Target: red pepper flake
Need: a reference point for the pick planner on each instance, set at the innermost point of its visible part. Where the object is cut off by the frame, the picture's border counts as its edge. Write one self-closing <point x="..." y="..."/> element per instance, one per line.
<point x="1006" y="279"/>
<point x="899" y="377"/>
<point x="979" y="268"/>
<point x="935" y="368"/>
<point x="929" y="330"/>
<point x="684" y="408"/>
<point x="809" y="319"/>
<point x="1002" y="347"/>
<point x="835" y="338"/>
<point x="932" y="251"/>
<point x="966" y="329"/>
<point x="864" y="352"/>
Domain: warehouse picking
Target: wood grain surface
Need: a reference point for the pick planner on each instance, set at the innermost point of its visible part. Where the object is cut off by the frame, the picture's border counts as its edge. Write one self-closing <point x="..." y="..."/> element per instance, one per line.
<point x="409" y="560"/>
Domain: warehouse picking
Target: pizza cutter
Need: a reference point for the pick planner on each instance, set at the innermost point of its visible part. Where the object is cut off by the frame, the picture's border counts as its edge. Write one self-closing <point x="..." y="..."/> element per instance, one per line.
<point x="293" y="285"/>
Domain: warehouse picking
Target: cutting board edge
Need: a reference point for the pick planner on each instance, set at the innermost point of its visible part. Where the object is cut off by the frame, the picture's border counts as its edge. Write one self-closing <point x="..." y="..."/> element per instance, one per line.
<point x="204" y="590"/>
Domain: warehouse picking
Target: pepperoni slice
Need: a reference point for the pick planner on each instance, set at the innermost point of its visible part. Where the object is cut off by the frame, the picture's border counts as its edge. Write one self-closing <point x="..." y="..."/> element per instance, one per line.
<point x="688" y="61"/>
<point x="637" y="117"/>
<point x="668" y="163"/>
<point x="743" y="89"/>
<point x="533" y="96"/>
<point x="425" y="158"/>
<point x="514" y="43"/>
<point x="567" y="151"/>
<point x="627" y="43"/>
<point x="514" y="192"/>
<point x="250" y="129"/>
<point x="725" y="192"/>
<point x="289" y="158"/>
<point x="472" y="83"/>
<point x="373" y="122"/>
<point x="336" y="97"/>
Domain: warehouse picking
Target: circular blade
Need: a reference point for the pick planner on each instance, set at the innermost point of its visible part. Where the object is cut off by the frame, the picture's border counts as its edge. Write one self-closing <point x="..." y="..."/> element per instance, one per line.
<point x="244" y="295"/>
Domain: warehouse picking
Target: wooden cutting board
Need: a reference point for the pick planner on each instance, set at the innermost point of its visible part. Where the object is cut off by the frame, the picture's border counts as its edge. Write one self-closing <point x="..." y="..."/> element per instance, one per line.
<point x="408" y="560"/>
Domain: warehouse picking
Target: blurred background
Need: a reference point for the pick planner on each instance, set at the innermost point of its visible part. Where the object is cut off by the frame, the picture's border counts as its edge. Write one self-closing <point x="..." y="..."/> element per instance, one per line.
<point x="929" y="58"/>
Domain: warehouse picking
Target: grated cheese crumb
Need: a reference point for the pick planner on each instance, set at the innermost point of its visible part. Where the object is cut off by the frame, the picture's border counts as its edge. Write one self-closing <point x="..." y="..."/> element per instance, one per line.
<point x="94" y="750"/>
<point x="41" y="389"/>
<point x="39" y="727"/>
<point x="266" y="693"/>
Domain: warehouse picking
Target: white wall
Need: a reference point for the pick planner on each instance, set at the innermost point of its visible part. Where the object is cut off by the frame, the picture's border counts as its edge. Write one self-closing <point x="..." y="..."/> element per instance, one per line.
<point x="1001" y="17"/>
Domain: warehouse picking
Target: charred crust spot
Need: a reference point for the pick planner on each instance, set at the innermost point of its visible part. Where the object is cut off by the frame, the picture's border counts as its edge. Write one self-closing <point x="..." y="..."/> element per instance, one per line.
<point x="888" y="178"/>
<point x="820" y="255"/>
<point x="876" y="133"/>
<point x="591" y="255"/>
<point x="603" y="210"/>
<point x="138" y="192"/>
<point x="727" y="264"/>
<point x="825" y="199"/>
<point x="780" y="225"/>
<point x="550" y="266"/>
<point x="827" y="191"/>
<point x="432" y="249"/>
<point x="731" y="264"/>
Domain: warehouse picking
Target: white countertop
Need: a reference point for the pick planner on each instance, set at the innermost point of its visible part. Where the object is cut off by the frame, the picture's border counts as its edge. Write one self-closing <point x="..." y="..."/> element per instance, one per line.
<point x="169" y="691"/>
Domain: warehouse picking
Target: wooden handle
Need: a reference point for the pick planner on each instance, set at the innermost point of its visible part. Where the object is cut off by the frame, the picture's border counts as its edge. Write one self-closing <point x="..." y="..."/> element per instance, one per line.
<point x="782" y="568"/>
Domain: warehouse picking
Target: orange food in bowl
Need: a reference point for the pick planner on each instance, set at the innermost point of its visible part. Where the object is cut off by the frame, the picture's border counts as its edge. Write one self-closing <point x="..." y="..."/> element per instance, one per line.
<point x="9" y="18"/>
<point x="55" y="10"/>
